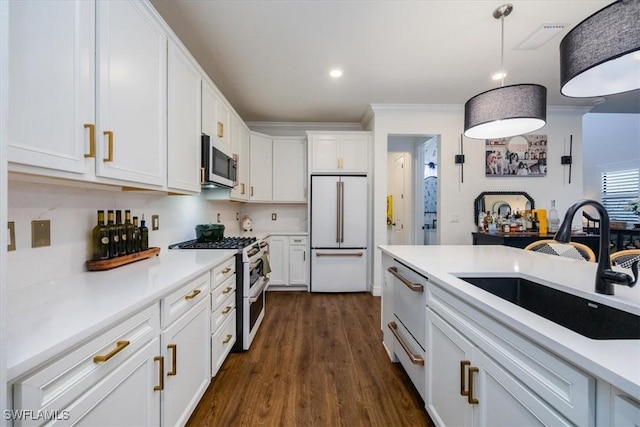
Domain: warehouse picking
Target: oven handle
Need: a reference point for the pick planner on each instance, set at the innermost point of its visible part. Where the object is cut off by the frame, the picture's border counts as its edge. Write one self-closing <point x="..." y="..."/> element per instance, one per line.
<point x="263" y="287"/>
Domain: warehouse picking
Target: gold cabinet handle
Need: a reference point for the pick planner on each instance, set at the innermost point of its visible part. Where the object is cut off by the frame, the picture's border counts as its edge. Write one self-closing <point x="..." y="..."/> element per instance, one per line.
<point x="92" y="140"/>
<point x="416" y="359"/>
<point x="160" y="386"/>
<point x="242" y="188"/>
<point x="227" y="309"/>
<point x="120" y="345"/>
<point x="227" y="290"/>
<point x="193" y="294"/>
<point x="304" y="255"/>
<point x="174" y="359"/>
<point x="251" y="191"/>
<point x="463" y="366"/>
<point x="226" y="270"/>
<point x="415" y="287"/>
<point x="472" y="400"/>
<point x="109" y="135"/>
<point x="220" y="130"/>
<point x="201" y="175"/>
<point x="227" y="339"/>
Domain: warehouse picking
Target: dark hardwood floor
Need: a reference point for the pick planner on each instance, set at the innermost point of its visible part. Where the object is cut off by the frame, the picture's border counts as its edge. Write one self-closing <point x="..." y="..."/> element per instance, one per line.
<point x="317" y="360"/>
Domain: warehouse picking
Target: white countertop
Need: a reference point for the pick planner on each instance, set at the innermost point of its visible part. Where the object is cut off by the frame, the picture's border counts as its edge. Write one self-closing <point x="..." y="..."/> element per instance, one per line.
<point x="614" y="361"/>
<point x="46" y="318"/>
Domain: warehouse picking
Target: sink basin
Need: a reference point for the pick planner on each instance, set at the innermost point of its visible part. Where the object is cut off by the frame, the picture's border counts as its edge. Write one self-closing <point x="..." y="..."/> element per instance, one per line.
<point x="588" y="318"/>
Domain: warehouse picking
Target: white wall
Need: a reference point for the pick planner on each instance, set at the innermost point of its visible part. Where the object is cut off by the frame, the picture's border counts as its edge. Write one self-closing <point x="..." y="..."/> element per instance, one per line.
<point x="608" y="139"/>
<point x="72" y="212"/>
<point x="455" y="198"/>
<point x="290" y="217"/>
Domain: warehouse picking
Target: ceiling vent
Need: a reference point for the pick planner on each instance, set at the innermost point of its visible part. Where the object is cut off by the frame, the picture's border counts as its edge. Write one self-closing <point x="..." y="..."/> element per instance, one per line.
<point x="540" y="36"/>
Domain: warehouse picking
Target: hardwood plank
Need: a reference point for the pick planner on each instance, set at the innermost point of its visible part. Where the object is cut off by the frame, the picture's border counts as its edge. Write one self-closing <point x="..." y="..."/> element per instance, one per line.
<point x="317" y="360"/>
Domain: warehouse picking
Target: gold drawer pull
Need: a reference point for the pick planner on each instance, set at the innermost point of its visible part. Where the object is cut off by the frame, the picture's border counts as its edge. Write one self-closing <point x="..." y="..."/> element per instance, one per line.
<point x="472" y="400"/>
<point x="201" y="175"/>
<point x="120" y="345"/>
<point x="463" y="365"/>
<point x="227" y="309"/>
<point x="227" y="290"/>
<point x="193" y="294"/>
<point x="226" y="340"/>
<point x="109" y="135"/>
<point x="160" y="386"/>
<point x="92" y="140"/>
<point x="242" y="186"/>
<point x="415" y="287"/>
<point x="226" y="270"/>
<point x="174" y="359"/>
<point x="416" y="359"/>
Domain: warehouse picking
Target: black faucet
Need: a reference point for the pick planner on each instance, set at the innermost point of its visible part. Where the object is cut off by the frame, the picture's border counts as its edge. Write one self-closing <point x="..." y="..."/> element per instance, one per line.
<point x="605" y="276"/>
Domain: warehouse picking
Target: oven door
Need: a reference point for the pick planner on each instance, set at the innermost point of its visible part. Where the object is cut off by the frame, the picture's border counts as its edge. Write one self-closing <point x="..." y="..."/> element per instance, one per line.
<point x="254" y="310"/>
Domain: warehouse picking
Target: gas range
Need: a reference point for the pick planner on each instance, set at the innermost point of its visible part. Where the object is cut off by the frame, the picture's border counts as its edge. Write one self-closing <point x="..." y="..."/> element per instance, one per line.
<point x="226" y="243"/>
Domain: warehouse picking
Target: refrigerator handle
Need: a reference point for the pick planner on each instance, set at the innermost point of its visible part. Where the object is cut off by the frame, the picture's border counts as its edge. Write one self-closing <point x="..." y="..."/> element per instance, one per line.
<point x="341" y="211"/>
<point x="338" y="211"/>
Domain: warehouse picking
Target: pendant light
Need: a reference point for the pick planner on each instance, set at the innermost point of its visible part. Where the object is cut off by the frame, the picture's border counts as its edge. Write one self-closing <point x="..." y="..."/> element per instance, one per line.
<point x="601" y="55"/>
<point x="507" y="110"/>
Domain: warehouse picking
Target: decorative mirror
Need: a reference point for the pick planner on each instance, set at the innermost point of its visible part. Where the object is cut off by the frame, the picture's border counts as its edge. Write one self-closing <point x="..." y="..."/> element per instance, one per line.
<point x="501" y="203"/>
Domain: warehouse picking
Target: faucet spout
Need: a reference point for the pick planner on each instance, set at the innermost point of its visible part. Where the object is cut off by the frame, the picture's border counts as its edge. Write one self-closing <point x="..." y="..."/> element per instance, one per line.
<point x="605" y="276"/>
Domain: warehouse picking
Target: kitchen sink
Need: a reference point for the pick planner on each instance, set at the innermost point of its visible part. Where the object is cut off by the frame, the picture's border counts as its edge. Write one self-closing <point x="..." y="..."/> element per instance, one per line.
<point x="591" y="319"/>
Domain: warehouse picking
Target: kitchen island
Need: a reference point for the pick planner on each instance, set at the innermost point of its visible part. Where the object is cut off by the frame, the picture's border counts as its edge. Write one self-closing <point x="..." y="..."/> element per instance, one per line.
<point x="554" y="371"/>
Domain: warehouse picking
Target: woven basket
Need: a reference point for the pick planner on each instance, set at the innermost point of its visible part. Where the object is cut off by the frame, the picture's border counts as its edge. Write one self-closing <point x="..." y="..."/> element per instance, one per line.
<point x="618" y="225"/>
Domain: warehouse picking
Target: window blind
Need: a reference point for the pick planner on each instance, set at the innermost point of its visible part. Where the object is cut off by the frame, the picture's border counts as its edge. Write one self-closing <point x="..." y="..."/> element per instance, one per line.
<point x="619" y="188"/>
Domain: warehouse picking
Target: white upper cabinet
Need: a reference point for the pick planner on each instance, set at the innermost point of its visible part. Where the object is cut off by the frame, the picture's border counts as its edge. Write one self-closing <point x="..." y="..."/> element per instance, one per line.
<point x="344" y="152"/>
<point x="240" y="136"/>
<point x="52" y="80"/>
<point x="289" y="170"/>
<point x="183" y="112"/>
<point x="216" y="115"/>
<point x="132" y="93"/>
<point x="260" y="160"/>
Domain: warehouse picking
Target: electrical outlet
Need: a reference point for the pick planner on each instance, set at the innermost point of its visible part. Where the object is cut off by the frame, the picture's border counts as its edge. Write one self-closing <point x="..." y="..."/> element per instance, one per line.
<point x="155" y="222"/>
<point x="237" y="216"/>
<point x="274" y="216"/>
<point x="11" y="236"/>
<point x="218" y="218"/>
<point x="40" y="233"/>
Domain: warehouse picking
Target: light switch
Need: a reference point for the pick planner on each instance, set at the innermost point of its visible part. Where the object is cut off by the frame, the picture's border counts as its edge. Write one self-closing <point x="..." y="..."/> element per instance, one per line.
<point x="274" y="217"/>
<point x="40" y="233"/>
<point x="155" y="222"/>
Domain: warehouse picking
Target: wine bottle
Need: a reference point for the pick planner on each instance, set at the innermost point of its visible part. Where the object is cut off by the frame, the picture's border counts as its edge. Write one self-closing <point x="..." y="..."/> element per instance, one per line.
<point x="554" y="220"/>
<point x="136" y="235"/>
<point x="114" y="237"/>
<point x="128" y="231"/>
<point x="144" y="236"/>
<point x="122" y="236"/>
<point x="100" y="239"/>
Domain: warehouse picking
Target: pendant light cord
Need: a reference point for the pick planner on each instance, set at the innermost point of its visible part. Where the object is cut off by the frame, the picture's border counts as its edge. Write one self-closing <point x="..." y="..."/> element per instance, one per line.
<point x="502" y="50"/>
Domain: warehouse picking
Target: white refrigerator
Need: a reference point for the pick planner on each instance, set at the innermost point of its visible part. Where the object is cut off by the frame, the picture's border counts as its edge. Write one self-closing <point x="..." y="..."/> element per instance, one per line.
<point x="339" y="214"/>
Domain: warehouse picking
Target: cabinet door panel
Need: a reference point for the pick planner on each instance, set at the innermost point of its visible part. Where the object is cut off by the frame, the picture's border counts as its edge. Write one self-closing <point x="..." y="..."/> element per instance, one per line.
<point x="325" y="153"/>
<point x="289" y="170"/>
<point x="354" y="152"/>
<point x="132" y="59"/>
<point x="183" y="142"/>
<point x="446" y="348"/>
<point x="51" y="90"/>
<point x="261" y="168"/>
<point x="191" y="359"/>
<point x="279" y="260"/>
<point x="298" y="265"/>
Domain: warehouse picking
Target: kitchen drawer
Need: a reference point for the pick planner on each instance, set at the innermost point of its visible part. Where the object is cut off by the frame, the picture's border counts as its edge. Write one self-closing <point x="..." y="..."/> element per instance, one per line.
<point x="409" y="299"/>
<point x="178" y="302"/>
<point x="222" y="291"/>
<point x="70" y="377"/>
<point x="223" y="311"/>
<point x="223" y="271"/>
<point x="410" y="355"/>
<point x="297" y="240"/>
<point x="222" y="341"/>
<point x="562" y="385"/>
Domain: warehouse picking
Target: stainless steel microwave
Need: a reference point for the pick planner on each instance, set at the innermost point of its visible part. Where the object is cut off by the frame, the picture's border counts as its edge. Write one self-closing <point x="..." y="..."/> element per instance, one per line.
<point x="219" y="165"/>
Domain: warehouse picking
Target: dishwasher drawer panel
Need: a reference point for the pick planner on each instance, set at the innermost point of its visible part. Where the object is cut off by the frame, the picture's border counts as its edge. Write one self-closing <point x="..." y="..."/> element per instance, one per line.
<point x="409" y="300"/>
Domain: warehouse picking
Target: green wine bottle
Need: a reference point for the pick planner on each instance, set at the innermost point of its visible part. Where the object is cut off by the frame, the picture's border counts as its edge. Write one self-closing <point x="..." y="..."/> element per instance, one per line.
<point x="100" y="239"/>
<point x="122" y="236"/>
<point x="128" y="231"/>
<point x="136" y="235"/>
<point x="144" y="236"/>
<point x="114" y="237"/>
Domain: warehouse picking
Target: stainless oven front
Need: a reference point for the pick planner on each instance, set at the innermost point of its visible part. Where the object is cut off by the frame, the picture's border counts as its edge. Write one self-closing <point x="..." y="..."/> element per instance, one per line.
<point x="254" y="295"/>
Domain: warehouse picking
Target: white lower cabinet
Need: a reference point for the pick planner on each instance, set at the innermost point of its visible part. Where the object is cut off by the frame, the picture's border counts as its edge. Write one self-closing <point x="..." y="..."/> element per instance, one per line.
<point x="223" y="314"/>
<point x="480" y="373"/>
<point x="186" y="363"/>
<point x="288" y="261"/>
<point x="279" y="260"/>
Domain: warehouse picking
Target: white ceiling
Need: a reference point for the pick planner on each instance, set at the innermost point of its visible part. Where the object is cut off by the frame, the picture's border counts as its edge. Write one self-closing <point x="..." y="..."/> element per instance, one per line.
<point x="271" y="58"/>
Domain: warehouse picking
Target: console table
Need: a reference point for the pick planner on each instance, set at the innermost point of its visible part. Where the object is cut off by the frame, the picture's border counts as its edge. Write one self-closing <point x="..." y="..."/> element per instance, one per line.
<point x="522" y="239"/>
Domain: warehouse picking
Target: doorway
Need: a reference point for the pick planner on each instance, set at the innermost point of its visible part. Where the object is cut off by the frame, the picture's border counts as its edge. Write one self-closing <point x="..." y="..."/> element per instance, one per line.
<point x="412" y="189"/>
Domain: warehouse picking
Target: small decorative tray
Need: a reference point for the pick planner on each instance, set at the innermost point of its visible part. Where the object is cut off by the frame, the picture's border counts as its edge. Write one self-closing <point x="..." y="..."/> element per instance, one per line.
<point x="107" y="264"/>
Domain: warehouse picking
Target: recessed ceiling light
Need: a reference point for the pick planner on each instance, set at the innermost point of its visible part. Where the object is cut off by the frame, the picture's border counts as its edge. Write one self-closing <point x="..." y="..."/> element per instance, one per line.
<point x="499" y="75"/>
<point x="335" y="73"/>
